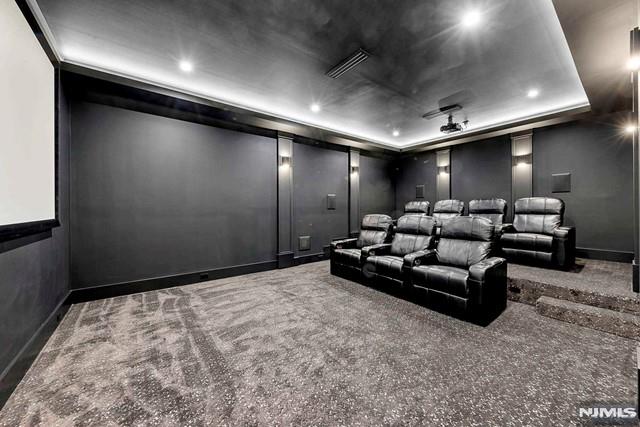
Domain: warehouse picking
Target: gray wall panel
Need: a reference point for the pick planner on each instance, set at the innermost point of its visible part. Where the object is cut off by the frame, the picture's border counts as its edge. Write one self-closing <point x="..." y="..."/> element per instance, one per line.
<point x="418" y="169"/>
<point x="599" y="158"/>
<point x="481" y="170"/>
<point x="377" y="192"/>
<point x="317" y="172"/>
<point x="34" y="271"/>
<point x="153" y="196"/>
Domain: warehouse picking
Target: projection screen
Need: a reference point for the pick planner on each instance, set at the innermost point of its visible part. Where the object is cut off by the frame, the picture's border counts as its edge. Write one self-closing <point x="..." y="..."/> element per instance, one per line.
<point x="27" y="129"/>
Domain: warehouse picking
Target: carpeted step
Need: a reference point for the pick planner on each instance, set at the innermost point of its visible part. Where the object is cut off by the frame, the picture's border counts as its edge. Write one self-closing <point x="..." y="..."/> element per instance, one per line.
<point x="622" y="324"/>
<point x="528" y="292"/>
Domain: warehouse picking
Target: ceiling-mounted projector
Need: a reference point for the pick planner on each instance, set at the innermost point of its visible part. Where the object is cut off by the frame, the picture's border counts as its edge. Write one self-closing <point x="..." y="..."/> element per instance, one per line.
<point x="452" y="127"/>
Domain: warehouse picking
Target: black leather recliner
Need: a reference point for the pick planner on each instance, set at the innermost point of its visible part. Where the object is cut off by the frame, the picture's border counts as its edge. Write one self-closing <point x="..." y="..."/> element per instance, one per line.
<point x="420" y="207"/>
<point x="387" y="261"/>
<point x="493" y="209"/>
<point x="346" y="255"/>
<point x="537" y="235"/>
<point x="459" y="273"/>
<point x="445" y="209"/>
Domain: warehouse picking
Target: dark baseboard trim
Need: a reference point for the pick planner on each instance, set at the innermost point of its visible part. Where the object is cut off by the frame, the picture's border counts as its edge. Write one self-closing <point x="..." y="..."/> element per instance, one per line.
<point x="127" y="288"/>
<point x="305" y="259"/>
<point x="605" y="255"/>
<point x="18" y="367"/>
<point x="285" y="259"/>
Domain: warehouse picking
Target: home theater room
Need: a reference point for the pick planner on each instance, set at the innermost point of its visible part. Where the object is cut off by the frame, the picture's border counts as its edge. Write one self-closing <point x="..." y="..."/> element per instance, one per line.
<point x="319" y="212"/>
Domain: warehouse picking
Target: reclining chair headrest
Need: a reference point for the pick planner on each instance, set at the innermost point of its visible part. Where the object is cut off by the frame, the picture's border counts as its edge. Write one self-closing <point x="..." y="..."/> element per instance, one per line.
<point x="488" y="206"/>
<point x="449" y="206"/>
<point x="417" y="206"/>
<point x="376" y="222"/>
<point x="468" y="228"/>
<point x="539" y="206"/>
<point x="416" y="224"/>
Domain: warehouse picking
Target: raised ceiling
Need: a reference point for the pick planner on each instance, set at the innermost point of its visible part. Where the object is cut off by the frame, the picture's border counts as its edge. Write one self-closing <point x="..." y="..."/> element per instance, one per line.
<point x="271" y="56"/>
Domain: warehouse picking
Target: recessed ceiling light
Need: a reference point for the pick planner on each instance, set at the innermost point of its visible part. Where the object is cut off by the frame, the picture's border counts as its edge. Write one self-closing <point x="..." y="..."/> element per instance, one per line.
<point x="315" y="107"/>
<point x="533" y="93"/>
<point x="471" y="19"/>
<point x="186" y="66"/>
<point x="630" y="129"/>
<point x="395" y="132"/>
<point x="633" y="63"/>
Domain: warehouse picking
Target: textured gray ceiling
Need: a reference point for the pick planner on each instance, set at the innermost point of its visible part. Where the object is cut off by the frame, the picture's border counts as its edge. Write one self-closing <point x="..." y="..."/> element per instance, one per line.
<point x="271" y="56"/>
<point x="597" y="32"/>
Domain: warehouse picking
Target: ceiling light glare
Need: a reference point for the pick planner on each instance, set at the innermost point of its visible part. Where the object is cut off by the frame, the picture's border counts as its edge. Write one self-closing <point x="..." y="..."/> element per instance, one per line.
<point x="471" y="19"/>
<point x="315" y="107"/>
<point x="186" y="66"/>
<point x="633" y="64"/>
<point x="395" y="132"/>
<point x="533" y="93"/>
<point x="630" y="129"/>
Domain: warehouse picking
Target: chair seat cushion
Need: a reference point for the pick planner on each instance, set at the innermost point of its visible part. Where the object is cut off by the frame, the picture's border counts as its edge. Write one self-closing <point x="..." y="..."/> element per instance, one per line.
<point x="347" y="256"/>
<point x="450" y="280"/>
<point x="527" y="241"/>
<point x="384" y="265"/>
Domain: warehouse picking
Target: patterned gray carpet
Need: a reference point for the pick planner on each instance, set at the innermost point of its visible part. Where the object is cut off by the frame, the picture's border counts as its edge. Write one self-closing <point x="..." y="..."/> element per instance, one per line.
<point x="298" y="346"/>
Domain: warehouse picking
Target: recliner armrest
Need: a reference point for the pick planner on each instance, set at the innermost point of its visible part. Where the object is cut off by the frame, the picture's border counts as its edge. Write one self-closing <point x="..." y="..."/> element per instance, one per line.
<point x="563" y="232"/>
<point x="564" y="246"/>
<point x="344" y="243"/>
<point x="420" y="257"/>
<point x="481" y="270"/>
<point x="379" y="249"/>
<point x="488" y="284"/>
<point x="507" y="228"/>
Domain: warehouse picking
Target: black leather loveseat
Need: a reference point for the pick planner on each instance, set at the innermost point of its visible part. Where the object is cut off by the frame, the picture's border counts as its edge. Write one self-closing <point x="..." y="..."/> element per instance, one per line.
<point x="390" y="262"/>
<point x="537" y="235"/>
<point x="346" y="255"/>
<point x="459" y="274"/>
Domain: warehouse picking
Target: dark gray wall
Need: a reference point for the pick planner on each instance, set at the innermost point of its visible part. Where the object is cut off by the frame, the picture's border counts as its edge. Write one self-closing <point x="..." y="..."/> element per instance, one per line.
<point x="481" y="170"/>
<point x="377" y="192"/>
<point x="318" y="171"/>
<point x="418" y="169"/>
<point x="34" y="270"/>
<point x="600" y="160"/>
<point x="153" y="196"/>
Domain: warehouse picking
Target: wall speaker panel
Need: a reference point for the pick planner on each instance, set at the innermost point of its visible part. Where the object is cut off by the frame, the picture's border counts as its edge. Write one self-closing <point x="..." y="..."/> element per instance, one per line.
<point x="331" y="202"/>
<point x="304" y="243"/>
<point x="561" y="182"/>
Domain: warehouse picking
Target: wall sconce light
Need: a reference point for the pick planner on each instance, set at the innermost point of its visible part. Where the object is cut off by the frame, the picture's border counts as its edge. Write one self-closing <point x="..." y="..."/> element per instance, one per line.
<point x="285" y="161"/>
<point x="355" y="169"/>
<point x="443" y="169"/>
<point x="524" y="159"/>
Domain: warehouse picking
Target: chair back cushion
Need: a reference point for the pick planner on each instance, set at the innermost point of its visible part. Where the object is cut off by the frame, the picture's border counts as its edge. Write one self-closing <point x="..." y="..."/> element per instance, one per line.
<point x="375" y="229"/>
<point x="445" y="209"/>
<point x="492" y="209"/>
<point x="465" y="241"/>
<point x="417" y="207"/>
<point x="540" y="215"/>
<point x="413" y="233"/>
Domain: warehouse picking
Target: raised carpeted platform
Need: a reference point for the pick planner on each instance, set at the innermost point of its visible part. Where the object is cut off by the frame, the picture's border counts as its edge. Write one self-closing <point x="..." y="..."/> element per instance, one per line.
<point x="299" y="346"/>
<point x="596" y="294"/>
